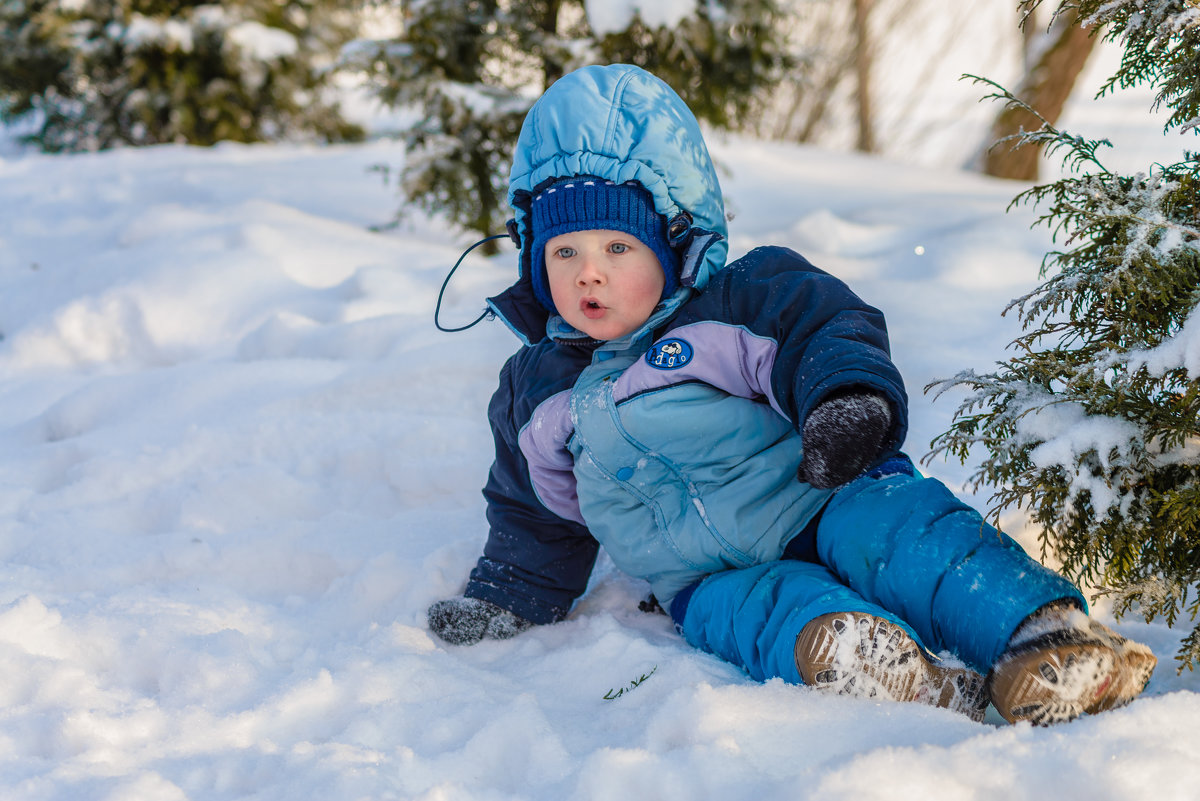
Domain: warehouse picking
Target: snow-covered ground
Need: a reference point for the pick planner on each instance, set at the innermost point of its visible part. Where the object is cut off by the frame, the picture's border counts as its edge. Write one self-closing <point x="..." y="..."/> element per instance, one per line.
<point x="237" y="463"/>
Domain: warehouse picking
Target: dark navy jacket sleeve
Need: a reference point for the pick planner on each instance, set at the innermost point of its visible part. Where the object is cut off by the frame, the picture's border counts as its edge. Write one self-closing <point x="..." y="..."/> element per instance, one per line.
<point x="828" y="338"/>
<point x="535" y="563"/>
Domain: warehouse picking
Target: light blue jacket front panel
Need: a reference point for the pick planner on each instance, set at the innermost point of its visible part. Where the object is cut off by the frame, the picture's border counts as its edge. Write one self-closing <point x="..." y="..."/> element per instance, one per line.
<point x="686" y="480"/>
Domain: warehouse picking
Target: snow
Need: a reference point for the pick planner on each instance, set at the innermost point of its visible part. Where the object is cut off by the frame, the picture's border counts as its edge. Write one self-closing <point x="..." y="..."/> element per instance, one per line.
<point x="1066" y="432"/>
<point x="257" y="41"/>
<point x="238" y="462"/>
<point x="1160" y="16"/>
<point x="614" y="16"/>
<point x="145" y="30"/>
<point x="1181" y="351"/>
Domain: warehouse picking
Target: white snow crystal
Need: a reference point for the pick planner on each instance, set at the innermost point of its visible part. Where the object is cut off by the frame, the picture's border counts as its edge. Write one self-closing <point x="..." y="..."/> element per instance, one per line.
<point x="263" y="43"/>
<point x="614" y="16"/>
<point x="1179" y="351"/>
<point x="144" y="30"/>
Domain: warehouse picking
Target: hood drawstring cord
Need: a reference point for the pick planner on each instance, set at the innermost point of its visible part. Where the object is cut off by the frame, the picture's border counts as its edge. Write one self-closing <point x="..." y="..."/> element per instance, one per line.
<point x="437" y="311"/>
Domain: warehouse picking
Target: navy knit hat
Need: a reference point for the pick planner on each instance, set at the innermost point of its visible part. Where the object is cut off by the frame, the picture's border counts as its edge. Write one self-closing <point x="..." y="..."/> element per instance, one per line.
<point x="589" y="204"/>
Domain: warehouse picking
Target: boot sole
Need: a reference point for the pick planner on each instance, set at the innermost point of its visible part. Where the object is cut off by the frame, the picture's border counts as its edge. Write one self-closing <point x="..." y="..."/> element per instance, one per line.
<point x="1061" y="675"/>
<point x="863" y="656"/>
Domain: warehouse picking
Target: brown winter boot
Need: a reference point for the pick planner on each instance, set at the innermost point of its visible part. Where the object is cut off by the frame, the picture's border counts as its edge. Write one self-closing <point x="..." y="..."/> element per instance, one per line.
<point x="861" y="655"/>
<point x="1061" y="664"/>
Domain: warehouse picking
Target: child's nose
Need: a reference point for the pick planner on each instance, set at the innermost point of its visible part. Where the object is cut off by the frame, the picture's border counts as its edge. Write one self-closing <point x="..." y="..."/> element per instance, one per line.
<point x="590" y="272"/>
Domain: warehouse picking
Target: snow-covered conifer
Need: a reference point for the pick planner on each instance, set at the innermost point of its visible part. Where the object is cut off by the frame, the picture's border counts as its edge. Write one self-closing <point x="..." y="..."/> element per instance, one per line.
<point x="94" y="74"/>
<point x="470" y="69"/>
<point x="1093" y="425"/>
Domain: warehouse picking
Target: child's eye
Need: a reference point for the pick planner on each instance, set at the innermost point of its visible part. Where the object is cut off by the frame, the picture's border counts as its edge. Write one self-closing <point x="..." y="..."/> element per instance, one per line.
<point x="565" y="252"/>
<point x="618" y="247"/>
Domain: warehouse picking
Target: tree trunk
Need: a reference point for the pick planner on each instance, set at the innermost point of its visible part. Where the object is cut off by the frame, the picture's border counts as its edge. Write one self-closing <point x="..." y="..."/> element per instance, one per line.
<point x="1046" y="86"/>
<point x="862" y="72"/>
<point x="552" y="66"/>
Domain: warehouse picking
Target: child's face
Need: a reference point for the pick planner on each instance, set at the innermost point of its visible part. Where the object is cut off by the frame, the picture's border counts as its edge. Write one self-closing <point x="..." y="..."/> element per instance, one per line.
<point x="604" y="283"/>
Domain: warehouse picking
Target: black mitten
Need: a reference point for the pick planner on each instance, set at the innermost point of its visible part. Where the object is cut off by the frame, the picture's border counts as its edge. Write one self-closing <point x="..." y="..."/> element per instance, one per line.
<point x="466" y="621"/>
<point x="843" y="436"/>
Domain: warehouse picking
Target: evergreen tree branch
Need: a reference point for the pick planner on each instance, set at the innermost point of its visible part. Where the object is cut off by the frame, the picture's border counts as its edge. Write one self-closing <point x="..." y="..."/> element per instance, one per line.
<point x="1092" y="425"/>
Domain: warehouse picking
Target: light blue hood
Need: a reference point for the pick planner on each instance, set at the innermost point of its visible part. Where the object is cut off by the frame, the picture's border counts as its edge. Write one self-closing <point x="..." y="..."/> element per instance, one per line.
<point x="619" y="123"/>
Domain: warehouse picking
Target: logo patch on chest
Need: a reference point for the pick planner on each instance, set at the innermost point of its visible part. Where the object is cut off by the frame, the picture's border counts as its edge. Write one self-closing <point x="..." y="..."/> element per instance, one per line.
<point x="670" y="354"/>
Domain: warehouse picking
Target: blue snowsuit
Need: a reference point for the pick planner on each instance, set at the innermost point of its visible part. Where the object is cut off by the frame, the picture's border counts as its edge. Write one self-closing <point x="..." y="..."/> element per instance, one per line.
<point x="676" y="447"/>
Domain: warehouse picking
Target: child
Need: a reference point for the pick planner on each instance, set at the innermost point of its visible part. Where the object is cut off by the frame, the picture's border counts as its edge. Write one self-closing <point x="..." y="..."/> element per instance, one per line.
<point x="731" y="434"/>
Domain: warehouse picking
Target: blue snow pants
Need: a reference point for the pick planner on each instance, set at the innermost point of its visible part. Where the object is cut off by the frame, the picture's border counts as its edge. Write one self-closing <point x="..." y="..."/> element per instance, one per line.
<point x="898" y="546"/>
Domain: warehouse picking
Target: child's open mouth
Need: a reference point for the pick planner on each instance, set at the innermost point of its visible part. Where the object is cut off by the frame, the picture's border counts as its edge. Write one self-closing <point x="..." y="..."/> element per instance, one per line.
<point x="591" y="309"/>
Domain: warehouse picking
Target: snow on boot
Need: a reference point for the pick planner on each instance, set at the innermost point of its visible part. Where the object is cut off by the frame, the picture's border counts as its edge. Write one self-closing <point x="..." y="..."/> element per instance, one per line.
<point x="861" y="655"/>
<point x="1061" y="664"/>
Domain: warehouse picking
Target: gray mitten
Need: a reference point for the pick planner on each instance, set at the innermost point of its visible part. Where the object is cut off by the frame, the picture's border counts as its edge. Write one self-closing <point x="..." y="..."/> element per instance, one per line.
<point x="466" y="621"/>
<point x="843" y="436"/>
